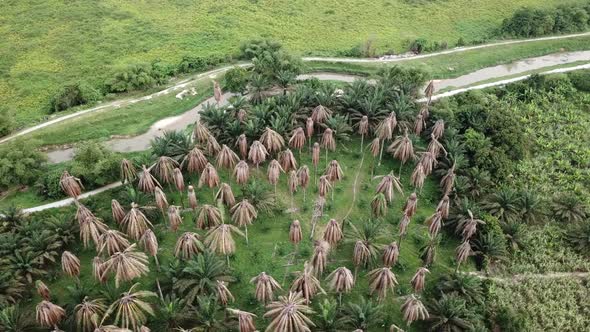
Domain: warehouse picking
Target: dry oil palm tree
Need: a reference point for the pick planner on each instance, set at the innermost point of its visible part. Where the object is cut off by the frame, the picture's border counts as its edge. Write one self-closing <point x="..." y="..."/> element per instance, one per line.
<point x="242" y="172"/>
<point x="417" y="280"/>
<point x="448" y="180"/>
<point x="224" y="296"/>
<point x="297" y="140"/>
<point x="306" y="283"/>
<point x="201" y="132"/>
<point x="187" y="246"/>
<point x="341" y="281"/>
<point x="128" y="171"/>
<point x="217" y="94"/>
<point x="70" y="264"/>
<point x="434" y="223"/>
<point x="381" y="280"/>
<point x="443" y="206"/>
<point x="150" y="245"/>
<point x="390" y="254"/>
<point x="293" y="182"/>
<point x="462" y="253"/>
<point x="419" y="124"/>
<point x="112" y="241"/>
<point x="209" y="177"/>
<point x="43" y="290"/>
<point x="333" y="232"/>
<point x="226" y="158"/>
<point x="257" y="153"/>
<point x="70" y="185"/>
<point x="403" y="225"/>
<point x="388" y="185"/>
<point x="212" y="146"/>
<point x="225" y="195"/>
<point x="319" y="258"/>
<point x="221" y="241"/>
<point x="303" y="175"/>
<point x="135" y="222"/>
<point x="132" y="308"/>
<point x="274" y="171"/>
<point x="127" y="264"/>
<point x="174" y="218"/>
<point x="90" y="229"/>
<point x="195" y="161"/>
<point x="287" y="160"/>
<point x="161" y="201"/>
<point x="384" y="132"/>
<point x="315" y="158"/>
<point x="361" y="254"/>
<point x="242" y="144"/>
<point x="435" y="147"/>
<point x="428" y="162"/>
<point x="324" y="186"/>
<point x="334" y="171"/>
<point x="309" y="124"/>
<point x="147" y="182"/>
<point x="295" y="235"/>
<point x="98" y="270"/>
<point x="245" y="320"/>
<point x="49" y="314"/>
<point x="438" y="129"/>
<point x="164" y="169"/>
<point x="402" y="149"/>
<point x="320" y="114"/>
<point x="328" y="142"/>
<point x="209" y="216"/>
<point x="117" y="211"/>
<point x="418" y="176"/>
<point x="265" y="287"/>
<point x="411" y="205"/>
<point x="379" y="205"/>
<point x="429" y="91"/>
<point x="468" y="226"/>
<point x="413" y="310"/>
<point x="192" y="198"/>
<point x="424" y="110"/>
<point x="242" y="214"/>
<point x="374" y="148"/>
<point x="363" y="129"/>
<point x="88" y="313"/>
<point x="179" y="183"/>
<point x="272" y="140"/>
<point x="288" y="314"/>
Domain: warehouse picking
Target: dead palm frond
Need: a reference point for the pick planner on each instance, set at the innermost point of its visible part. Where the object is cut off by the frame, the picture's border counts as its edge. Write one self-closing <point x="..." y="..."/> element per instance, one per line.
<point x="245" y="320"/>
<point x="333" y="232"/>
<point x="220" y="239"/>
<point x="297" y="140"/>
<point x="242" y="115"/>
<point x="150" y="243"/>
<point x="388" y="185"/>
<point x="192" y="198"/>
<point x="257" y="153"/>
<point x="201" y="132"/>
<point x="242" y="214"/>
<point x="413" y="310"/>
<point x="178" y="180"/>
<point x="324" y="186"/>
<point x="429" y="91"/>
<point x="265" y="287"/>
<point x="213" y="146"/>
<point x="391" y="254"/>
<point x="289" y="314"/>
<point x="225" y="195"/>
<point x="98" y="270"/>
<point x="328" y="141"/>
<point x="419" y="124"/>
<point x="195" y="161"/>
<point x="375" y="146"/>
<point x="242" y="172"/>
<point x="403" y="225"/>
<point x="49" y="314"/>
<point x="226" y="158"/>
<point x="361" y="253"/>
<point x="320" y="114"/>
<point x="188" y="245"/>
<point x="292" y="183"/>
<point x="117" y="211"/>
<point x="443" y="206"/>
<point x="319" y="258"/>
<point x="113" y="241"/>
<point x="402" y="148"/>
<point x="434" y="223"/>
<point x="418" y="176"/>
<point x="287" y="160"/>
<point x="217" y="94"/>
<point x="468" y="227"/>
<point x="303" y="175"/>
<point x="164" y="169"/>
<point x="341" y="280"/>
<point x="272" y="140"/>
<point x="425" y="111"/>
<point x="161" y="200"/>
<point x="43" y="290"/>
<point x="132" y="308"/>
<point x="295" y="235"/>
<point x="306" y="283"/>
<point x="242" y="144"/>
<point x="435" y="147"/>
<point x="174" y="217"/>
<point x="463" y="252"/>
<point x="428" y="162"/>
<point x="90" y="230"/>
<point x="334" y="171"/>
<point x="88" y="313"/>
<point x="438" y="129"/>
<point x="224" y="296"/>
<point x="309" y="124"/>
<point x="448" y="180"/>
<point x="392" y="119"/>
<point x="363" y="129"/>
<point x="70" y="185"/>
<point x="411" y="205"/>
<point x="209" y="177"/>
<point x="135" y="222"/>
<point x="127" y="265"/>
<point x="147" y="182"/>
<point x="209" y="216"/>
<point x="128" y="171"/>
<point x="274" y="171"/>
<point x="417" y="280"/>
<point x="315" y="154"/>
<point x="379" y="205"/>
<point x="381" y="280"/>
<point x="384" y="132"/>
<point x="70" y="264"/>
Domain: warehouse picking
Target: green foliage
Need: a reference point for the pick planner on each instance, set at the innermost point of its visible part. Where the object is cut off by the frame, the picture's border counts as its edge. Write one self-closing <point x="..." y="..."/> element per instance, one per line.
<point x="94" y="164"/>
<point x="135" y="77"/>
<point x="531" y="22"/>
<point x="236" y="79"/>
<point x="73" y="95"/>
<point x="20" y="163"/>
<point x="6" y="122"/>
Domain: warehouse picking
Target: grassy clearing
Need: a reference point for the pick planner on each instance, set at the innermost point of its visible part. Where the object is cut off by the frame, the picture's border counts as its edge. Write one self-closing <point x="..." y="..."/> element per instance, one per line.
<point x="46" y="44"/>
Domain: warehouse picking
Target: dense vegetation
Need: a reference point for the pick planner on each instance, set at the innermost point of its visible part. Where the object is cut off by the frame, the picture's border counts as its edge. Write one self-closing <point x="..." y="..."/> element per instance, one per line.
<point x="531" y="22"/>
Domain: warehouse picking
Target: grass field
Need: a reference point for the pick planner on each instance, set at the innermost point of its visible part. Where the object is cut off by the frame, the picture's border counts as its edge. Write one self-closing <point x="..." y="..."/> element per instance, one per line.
<point x="46" y="44"/>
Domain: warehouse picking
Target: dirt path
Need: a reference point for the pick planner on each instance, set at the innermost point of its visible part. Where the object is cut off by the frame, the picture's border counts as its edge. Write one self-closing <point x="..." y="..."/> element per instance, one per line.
<point x="520" y="277"/>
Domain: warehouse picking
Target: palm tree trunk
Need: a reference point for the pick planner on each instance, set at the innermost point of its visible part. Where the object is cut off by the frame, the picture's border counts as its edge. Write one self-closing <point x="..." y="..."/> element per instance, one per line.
<point x="181" y="199"/>
<point x="362" y="140"/>
<point x="400" y="169"/>
<point x="158" y="279"/>
<point x="381" y="153"/>
<point x="304" y="194"/>
<point x="163" y="216"/>
<point x="326" y="157"/>
<point x="246" y="233"/>
<point x="227" y="259"/>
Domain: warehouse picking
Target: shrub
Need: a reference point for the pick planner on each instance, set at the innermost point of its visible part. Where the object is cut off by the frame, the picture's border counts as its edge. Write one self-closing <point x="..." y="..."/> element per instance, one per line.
<point x="73" y="95"/>
<point x="94" y="164"/>
<point x="528" y="22"/>
<point x="20" y="163"/>
<point x="6" y="122"/>
<point x="254" y="48"/>
<point x="236" y="79"/>
<point x="580" y="80"/>
<point x="417" y="46"/>
<point x="47" y="185"/>
<point x="135" y="77"/>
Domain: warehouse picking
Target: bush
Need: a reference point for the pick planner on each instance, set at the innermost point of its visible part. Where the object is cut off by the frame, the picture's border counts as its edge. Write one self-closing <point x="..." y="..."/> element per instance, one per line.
<point x="20" y="163"/>
<point x="236" y="79"/>
<point x="254" y="48"/>
<point x="94" y="164"/>
<point x="528" y="22"/>
<point x="136" y="77"/>
<point x="580" y="80"/>
<point x="417" y="46"/>
<point x="47" y="185"/>
<point x="73" y="95"/>
<point x="6" y="122"/>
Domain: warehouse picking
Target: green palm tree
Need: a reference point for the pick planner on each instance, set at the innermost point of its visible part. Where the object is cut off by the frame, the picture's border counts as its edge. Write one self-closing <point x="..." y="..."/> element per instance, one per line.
<point x="326" y="316"/>
<point x="492" y="246"/>
<point x="449" y="313"/>
<point x="206" y="313"/>
<point x="12" y="288"/>
<point x="531" y="207"/>
<point x="200" y="276"/>
<point x="361" y="314"/>
<point x="579" y="237"/>
<point x="467" y="286"/>
<point x="173" y="311"/>
<point x="569" y="208"/>
<point x="15" y="319"/>
<point x="503" y="204"/>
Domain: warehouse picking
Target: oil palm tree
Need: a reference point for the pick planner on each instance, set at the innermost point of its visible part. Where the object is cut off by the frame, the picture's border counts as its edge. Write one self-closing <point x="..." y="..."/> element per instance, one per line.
<point x="242" y="172"/>
<point x="306" y="283"/>
<point x="135" y="222"/>
<point x="379" y="205"/>
<point x="402" y="149"/>
<point x="150" y="245"/>
<point x="192" y="198"/>
<point x="49" y="314"/>
<point x="388" y="184"/>
<point x="98" y="270"/>
<point x="265" y="287"/>
<point x="113" y="241"/>
<point x="164" y="168"/>
<point x="381" y="280"/>
<point x="295" y="235"/>
<point x="87" y="314"/>
<point x="272" y="140"/>
<point x="391" y="254"/>
<point x="242" y="214"/>
<point x="315" y="158"/>
<point x="147" y="182"/>
<point x="297" y="140"/>
<point x="319" y="258"/>
<point x="428" y="162"/>
<point x="333" y="233"/>
<point x="435" y="147"/>
<point x="428" y="252"/>
<point x="257" y="153"/>
<point x="195" y="161"/>
<point x="411" y="205"/>
<point x="201" y="132"/>
<point x="320" y="114"/>
<point x="365" y="238"/>
<point x="90" y="230"/>
<point x="434" y="223"/>
<point x="127" y="265"/>
<point x="334" y="171"/>
<point x="361" y="315"/>
<point x="220" y="239"/>
<point x="274" y="172"/>
<point x="70" y="264"/>
<point x="363" y="129"/>
<point x="449" y="313"/>
<point x="309" y="126"/>
<point x="200" y="275"/>
<point x="569" y="208"/>
<point x="117" y="211"/>
<point x="438" y="129"/>
<point x="448" y="180"/>
<point x="413" y="310"/>
<point x="225" y="195"/>
<point x="531" y="206"/>
<point x="419" y="124"/>
<point x="287" y="160"/>
<point x="418" y="176"/>
<point x="161" y="201"/>
<point x="178" y="180"/>
<point x="462" y="253"/>
<point x="418" y="279"/>
<point x="70" y="185"/>
<point x="384" y="132"/>
<point x="132" y="308"/>
<point x="374" y="147"/>
<point x="128" y="171"/>
<point x="443" y="206"/>
<point x="289" y="313"/>
<point x="209" y="177"/>
<point x="303" y="175"/>
<point x="217" y="94"/>
<point x="468" y="226"/>
<point x="293" y="182"/>
<point x="245" y="320"/>
<point x="324" y="186"/>
<point x="242" y="144"/>
<point x="188" y="245"/>
<point x="213" y="146"/>
<point x="174" y="217"/>
<point x="224" y="296"/>
<point x="328" y="142"/>
<point x="43" y="290"/>
<point x="226" y="158"/>
<point x="341" y="281"/>
<point x="209" y="216"/>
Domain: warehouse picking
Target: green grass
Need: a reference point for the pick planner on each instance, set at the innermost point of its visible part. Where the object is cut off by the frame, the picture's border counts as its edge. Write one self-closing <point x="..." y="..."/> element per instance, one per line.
<point x="46" y="44"/>
<point x="269" y="248"/>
